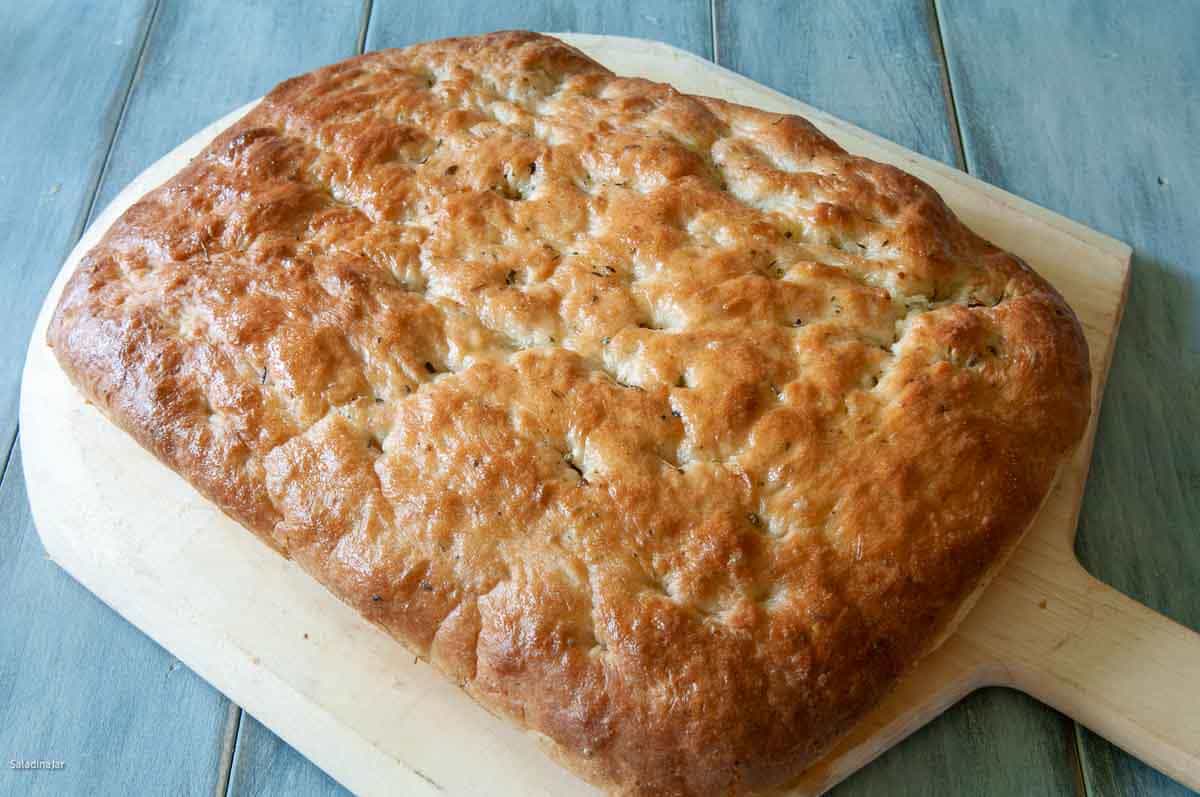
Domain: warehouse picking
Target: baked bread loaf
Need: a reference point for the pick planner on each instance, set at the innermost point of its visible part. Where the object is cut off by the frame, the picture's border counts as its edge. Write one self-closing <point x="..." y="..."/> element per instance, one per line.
<point x="664" y="426"/>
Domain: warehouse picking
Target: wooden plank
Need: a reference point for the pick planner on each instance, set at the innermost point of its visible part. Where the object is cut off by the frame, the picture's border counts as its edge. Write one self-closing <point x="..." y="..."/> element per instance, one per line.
<point x="396" y="23"/>
<point x="112" y="694"/>
<point x="59" y="118"/>
<point x="77" y="683"/>
<point x="80" y="685"/>
<point x="683" y="23"/>
<point x="202" y="61"/>
<point x="879" y="65"/>
<point x="1096" y="114"/>
<point x="874" y="64"/>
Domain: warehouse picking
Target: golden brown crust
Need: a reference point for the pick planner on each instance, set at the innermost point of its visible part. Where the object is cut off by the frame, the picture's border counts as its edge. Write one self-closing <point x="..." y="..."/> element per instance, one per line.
<point x="663" y="425"/>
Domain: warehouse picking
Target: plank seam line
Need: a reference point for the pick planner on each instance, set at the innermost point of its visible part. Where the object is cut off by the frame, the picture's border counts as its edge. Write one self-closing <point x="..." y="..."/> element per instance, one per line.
<point x="939" y="44"/>
<point x="712" y="21"/>
<point x="229" y="743"/>
<point x="139" y="65"/>
<point x="368" y="9"/>
<point x="8" y="455"/>
<point x="1073" y="729"/>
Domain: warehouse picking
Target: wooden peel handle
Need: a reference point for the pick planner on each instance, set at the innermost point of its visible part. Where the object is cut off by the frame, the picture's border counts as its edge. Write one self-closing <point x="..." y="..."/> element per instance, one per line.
<point x="1119" y="668"/>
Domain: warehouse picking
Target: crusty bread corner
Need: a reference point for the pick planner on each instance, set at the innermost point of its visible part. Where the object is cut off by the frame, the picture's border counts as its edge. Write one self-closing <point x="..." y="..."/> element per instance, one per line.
<point x="664" y="426"/>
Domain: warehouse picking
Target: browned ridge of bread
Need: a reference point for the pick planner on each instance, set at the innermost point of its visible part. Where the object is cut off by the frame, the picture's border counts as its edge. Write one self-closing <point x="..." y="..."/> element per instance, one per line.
<point x="664" y="426"/>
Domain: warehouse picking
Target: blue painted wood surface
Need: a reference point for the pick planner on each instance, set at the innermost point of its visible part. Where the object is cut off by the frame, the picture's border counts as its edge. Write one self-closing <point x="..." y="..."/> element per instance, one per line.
<point x="264" y="765"/>
<point x="875" y="64"/>
<point x="77" y="683"/>
<point x="80" y="685"/>
<point x="1075" y="106"/>
<point x="683" y="23"/>
<point x="64" y="87"/>
<point x="1096" y="115"/>
<point x="205" y="59"/>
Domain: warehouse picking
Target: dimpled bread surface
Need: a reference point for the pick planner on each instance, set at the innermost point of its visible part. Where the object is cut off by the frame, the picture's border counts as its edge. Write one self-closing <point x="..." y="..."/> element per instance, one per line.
<point x="665" y="427"/>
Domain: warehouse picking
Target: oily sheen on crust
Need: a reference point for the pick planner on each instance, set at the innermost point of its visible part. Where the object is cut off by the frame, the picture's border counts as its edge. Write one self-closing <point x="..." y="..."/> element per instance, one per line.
<point x="664" y="426"/>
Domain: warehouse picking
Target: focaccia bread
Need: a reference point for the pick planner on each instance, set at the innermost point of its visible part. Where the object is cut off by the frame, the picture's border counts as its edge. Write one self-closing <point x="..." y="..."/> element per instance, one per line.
<point x="664" y="426"/>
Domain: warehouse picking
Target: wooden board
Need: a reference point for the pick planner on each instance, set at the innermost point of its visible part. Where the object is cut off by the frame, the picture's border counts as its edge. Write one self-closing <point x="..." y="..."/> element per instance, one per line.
<point x="342" y="692"/>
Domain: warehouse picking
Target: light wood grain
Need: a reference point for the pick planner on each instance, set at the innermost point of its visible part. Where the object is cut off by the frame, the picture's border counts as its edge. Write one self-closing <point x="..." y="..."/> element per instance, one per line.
<point x="358" y="740"/>
<point x="1112" y="664"/>
<point x="1035" y="81"/>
